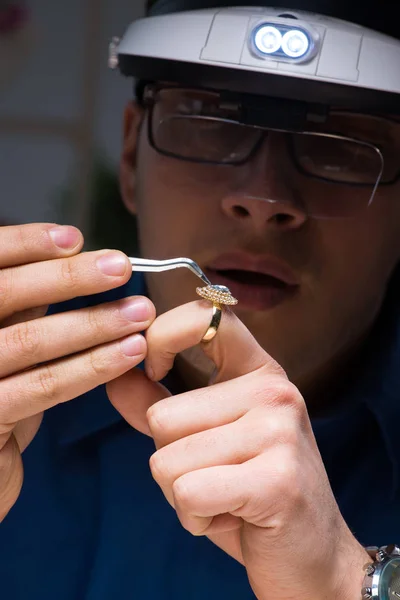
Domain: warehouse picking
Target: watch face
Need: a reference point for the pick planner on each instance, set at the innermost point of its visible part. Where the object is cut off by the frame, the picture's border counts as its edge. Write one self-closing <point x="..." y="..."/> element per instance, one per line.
<point x="390" y="580"/>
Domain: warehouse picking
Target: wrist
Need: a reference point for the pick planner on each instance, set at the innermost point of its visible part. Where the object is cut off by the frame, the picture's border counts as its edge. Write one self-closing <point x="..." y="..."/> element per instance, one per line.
<point x="352" y="564"/>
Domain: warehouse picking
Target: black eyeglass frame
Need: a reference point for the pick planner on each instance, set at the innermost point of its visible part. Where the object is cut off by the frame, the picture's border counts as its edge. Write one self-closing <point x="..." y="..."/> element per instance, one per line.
<point x="148" y="98"/>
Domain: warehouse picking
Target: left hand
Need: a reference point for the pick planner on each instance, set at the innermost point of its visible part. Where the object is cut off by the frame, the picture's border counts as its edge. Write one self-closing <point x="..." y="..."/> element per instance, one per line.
<point x="239" y="462"/>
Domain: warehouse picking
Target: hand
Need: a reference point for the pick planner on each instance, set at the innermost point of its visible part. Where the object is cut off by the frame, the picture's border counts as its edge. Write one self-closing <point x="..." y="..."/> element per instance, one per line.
<point x="48" y="360"/>
<point x="239" y="462"/>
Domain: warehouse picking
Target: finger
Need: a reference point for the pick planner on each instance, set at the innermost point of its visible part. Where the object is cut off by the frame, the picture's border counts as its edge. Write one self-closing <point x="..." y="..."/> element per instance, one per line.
<point x="22" y="244"/>
<point x="132" y="394"/>
<point x="30" y="314"/>
<point x="199" y="410"/>
<point x="36" y="390"/>
<point x="234" y="350"/>
<point x="46" y="339"/>
<point x="61" y="279"/>
<point x="227" y="445"/>
<point x="219" y="524"/>
<point x="247" y="489"/>
<point x="148" y="407"/>
<point x="235" y="443"/>
<point x="201" y="496"/>
<point x="11" y="475"/>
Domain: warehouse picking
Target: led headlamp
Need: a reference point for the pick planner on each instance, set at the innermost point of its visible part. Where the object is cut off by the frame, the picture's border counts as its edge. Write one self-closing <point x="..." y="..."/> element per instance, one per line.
<point x="283" y="41"/>
<point x="292" y="55"/>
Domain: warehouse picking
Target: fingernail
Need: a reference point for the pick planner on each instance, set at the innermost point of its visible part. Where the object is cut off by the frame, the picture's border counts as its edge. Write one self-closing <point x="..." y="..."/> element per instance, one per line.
<point x="135" y="310"/>
<point x="65" y="237"/>
<point x="113" y="264"/>
<point x="133" y="345"/>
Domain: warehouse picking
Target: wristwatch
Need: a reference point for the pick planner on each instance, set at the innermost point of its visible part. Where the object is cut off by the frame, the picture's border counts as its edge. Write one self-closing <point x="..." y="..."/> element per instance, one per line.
<point x="382" y="577"/>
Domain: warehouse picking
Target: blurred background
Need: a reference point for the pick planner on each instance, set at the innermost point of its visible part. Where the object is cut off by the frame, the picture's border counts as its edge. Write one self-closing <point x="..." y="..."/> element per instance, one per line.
<point x="61" y="116"/>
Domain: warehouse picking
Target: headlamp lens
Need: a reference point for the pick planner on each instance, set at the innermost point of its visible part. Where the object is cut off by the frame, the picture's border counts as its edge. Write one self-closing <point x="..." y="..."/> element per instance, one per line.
<point x="295" y="43"/>
<point x="268" y="39"/>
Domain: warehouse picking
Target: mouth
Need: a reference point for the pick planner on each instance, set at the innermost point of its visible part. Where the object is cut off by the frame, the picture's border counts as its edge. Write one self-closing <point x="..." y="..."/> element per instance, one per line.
<point x="257" y="284"/>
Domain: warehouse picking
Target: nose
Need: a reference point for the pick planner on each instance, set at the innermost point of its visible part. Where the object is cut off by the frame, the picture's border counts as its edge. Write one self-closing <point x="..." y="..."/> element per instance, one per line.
<point x="263" y="192"/>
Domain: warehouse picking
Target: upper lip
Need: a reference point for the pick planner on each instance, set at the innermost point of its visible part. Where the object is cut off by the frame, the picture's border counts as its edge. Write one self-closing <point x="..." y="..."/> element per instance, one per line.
<point x="267" y="265"/>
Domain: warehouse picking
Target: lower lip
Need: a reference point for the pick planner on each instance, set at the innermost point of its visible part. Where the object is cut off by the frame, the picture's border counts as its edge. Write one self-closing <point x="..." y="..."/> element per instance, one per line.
<point x="253" y="297"/>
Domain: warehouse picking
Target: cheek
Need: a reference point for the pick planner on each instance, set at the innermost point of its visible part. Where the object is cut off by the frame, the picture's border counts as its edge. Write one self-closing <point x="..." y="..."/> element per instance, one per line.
<point x="176" y="201"/>
<point x="364" y="250"/>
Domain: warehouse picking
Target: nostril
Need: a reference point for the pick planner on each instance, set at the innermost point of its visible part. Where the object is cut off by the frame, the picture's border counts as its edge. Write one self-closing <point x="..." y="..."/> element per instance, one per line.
<point x="282" y="218"/>
<point x="240" y="211"/>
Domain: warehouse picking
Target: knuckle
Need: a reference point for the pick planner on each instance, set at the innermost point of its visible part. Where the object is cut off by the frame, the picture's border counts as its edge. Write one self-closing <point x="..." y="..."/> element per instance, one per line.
<point x="277" y="429"/>
<point x="287" y="395"/>
<point x="286" y="473"/>
<point x="182" y="495"/>
<point x="157" y="418"/>
<point x="282" y="430"/>
<point x="68" y="273"/>
<point x="285" y="392"/>
<point x="5" y="289"/>
<point x="45" y="383"/>
<point x="96" y="323"/>
<point x="290" y="433"/>
<point x="26" y="238"/>
<point x="23" y="339"/>
<point x="158" y="468"/>
<point x="287" y="481"/>
<point x="100" y="363"/>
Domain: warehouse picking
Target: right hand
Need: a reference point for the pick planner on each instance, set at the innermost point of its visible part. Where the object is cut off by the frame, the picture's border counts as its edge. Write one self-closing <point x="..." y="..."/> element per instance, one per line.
<point x="48" y="360"/>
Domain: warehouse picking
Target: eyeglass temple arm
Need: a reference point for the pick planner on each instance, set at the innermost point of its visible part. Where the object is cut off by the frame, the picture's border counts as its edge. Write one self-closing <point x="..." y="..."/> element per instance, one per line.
<point x="157" y="266"/>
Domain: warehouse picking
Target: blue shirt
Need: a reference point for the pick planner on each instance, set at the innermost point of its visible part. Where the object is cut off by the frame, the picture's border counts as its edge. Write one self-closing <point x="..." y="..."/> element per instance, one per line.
<point x="91" y="524"/>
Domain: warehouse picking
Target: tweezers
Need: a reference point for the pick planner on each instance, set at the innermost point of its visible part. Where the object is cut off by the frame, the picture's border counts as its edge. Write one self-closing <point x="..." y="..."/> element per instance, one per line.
<point x="157" y="266"/>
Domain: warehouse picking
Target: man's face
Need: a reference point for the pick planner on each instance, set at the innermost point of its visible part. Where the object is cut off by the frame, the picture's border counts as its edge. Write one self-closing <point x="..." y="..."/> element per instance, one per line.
<point x="308" y="288"/>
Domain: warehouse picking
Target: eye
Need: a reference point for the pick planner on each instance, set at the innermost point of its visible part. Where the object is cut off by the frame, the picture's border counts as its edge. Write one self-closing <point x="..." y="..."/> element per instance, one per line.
<point x="189" y="106"/>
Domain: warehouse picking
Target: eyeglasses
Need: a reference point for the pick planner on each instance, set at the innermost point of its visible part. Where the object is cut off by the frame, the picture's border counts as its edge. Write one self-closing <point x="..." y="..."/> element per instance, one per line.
<point x="349" y="149"/>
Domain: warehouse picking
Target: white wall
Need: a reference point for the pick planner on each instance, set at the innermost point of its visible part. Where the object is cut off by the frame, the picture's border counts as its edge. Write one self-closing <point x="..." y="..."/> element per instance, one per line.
<point x="59" y="106"/>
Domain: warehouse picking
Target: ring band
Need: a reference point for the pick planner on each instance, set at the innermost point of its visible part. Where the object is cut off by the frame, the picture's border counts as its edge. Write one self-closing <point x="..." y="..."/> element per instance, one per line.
<point x="215" y="323"/>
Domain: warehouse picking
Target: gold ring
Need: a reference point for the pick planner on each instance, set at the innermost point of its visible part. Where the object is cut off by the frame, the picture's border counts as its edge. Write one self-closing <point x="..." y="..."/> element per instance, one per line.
<point x="218" y="295"/>
<point x="215" y="323"/>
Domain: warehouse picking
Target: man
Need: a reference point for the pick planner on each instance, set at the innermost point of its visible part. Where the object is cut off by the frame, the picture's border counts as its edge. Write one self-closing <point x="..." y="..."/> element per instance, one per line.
<point x="276" y="459"/>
